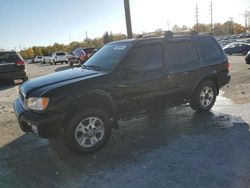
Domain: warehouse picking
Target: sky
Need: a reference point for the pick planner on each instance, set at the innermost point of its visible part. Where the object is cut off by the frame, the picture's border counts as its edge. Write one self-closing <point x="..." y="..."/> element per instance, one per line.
<point x="26" y="23"/>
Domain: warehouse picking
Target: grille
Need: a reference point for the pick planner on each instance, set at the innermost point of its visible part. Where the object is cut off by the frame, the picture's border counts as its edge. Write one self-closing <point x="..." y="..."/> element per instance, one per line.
<point x="22" y="97"/>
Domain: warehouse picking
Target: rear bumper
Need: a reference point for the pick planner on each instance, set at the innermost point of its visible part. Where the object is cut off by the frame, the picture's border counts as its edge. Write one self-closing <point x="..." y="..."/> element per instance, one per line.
<point x="45" y="126"/>
<point x="13" y="75"/>
<point x="224" y="81"/>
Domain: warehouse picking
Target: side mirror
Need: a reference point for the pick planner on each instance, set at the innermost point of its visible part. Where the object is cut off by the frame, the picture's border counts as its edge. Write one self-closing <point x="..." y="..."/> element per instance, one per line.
<point x="132" y="69"/>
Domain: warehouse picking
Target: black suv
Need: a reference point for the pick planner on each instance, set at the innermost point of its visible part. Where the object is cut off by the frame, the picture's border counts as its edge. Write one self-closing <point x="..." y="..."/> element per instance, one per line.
<point x="121" y="79"/>
<point x="12" y="66"/>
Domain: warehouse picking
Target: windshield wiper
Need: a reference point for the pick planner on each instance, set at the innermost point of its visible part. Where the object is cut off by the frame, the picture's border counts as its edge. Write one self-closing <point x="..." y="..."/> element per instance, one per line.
<point x="95" y="67"/>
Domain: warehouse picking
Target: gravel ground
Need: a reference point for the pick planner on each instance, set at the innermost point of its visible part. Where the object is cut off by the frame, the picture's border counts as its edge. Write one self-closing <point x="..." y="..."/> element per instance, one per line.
<point x="172" y="148"/>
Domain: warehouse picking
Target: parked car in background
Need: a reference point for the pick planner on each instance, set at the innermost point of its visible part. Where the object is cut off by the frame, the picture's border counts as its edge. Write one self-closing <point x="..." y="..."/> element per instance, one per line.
<point x="47" y="59"/>
<point x="59" y="57"/>
<point x="38" y="59"/>
<point x="122" y="79"/>
<point x="235" y="48"/>
<point x="76" y="57"/>
<point x="12" y="66"/>
<point x="247" y="58"/>
<point x="29" y="61"/>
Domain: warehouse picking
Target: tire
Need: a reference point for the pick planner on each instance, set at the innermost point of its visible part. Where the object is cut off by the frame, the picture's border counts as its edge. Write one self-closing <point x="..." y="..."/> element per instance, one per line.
<point x="71" y="64"/>
<point x="81" y="136"/>
<point x="244" y="52"/>
<point x="204" y="96"/>
<point x="25" y="79"/>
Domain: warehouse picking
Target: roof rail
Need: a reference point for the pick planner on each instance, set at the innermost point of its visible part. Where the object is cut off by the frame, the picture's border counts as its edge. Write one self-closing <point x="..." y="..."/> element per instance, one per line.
<point x="167" y="34"/>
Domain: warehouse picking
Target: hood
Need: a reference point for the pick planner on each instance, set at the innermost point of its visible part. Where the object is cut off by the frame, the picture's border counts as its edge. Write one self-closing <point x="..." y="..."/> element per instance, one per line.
<point x="58" y="77"/>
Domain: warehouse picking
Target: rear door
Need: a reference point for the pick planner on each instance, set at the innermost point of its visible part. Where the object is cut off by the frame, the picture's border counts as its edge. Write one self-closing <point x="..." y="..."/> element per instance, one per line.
<point x="8" y="62"/>
<point x="184" y="68"/>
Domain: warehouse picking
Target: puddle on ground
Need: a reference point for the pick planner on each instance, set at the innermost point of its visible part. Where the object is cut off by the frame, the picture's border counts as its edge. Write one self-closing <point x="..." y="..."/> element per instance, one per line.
<point x="235" y="113"/>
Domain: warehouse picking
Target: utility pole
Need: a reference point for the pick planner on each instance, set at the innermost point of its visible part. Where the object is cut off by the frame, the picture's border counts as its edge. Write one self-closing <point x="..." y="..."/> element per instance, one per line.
<point x="231" y="19"/>
<point x="211" y="16"/>
<point x="20" y="47"/>
<point x="128" y="19"/>
<point x="246" y="15"/>
<point x="168" y="24"/>
<point x="86" y="35"/>
<point x="197" y="17"/>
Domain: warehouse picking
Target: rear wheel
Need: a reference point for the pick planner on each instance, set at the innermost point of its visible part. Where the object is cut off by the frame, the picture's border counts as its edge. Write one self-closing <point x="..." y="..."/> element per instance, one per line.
<point x="204" y="96"/>
<point x="25" y="79"/>
<point x="244" y="52"/>
<point x="88" y="131"/>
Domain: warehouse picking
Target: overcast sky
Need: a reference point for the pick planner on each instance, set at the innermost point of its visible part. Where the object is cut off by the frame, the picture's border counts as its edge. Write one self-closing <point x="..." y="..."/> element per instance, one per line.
<point x="44" y="22"/>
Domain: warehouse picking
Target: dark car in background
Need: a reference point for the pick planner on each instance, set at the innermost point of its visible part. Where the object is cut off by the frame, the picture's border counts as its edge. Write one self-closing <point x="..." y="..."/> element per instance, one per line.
<point x="247" y="58"/>
<point x="75" y="56"/>
<point x="12" y="66"/>
<point x="235" y="48"/>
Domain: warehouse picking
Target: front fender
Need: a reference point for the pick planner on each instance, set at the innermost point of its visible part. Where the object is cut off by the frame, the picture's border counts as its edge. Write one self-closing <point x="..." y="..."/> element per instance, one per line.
<point x="95" y="98"/>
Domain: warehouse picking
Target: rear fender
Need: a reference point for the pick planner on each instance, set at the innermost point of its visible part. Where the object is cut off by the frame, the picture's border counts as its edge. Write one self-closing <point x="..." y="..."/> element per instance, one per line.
<point x="210" y="76"/>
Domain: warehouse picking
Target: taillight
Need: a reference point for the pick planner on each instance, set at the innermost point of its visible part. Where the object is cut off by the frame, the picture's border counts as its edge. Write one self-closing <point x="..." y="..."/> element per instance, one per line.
<point x="229" y="66"/>
<point x="20" y="62"/>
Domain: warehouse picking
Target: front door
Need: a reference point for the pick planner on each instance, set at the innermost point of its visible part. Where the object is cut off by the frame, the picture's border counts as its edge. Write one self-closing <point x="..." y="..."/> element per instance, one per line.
<point x="141" y="81"/>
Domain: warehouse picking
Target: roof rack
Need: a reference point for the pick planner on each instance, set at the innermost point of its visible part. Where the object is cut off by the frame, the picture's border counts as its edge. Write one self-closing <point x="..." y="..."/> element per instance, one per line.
<point x="167" y="34"/>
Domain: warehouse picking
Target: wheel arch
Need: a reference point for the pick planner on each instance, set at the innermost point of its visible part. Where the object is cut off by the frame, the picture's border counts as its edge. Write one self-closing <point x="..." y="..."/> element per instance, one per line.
<point x="212" y="77"/>
<point x="94" y="99"/>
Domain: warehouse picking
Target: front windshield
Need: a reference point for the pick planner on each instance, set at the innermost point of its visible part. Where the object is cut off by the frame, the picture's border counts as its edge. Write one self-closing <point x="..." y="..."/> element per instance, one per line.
<point x="108" y="57"/>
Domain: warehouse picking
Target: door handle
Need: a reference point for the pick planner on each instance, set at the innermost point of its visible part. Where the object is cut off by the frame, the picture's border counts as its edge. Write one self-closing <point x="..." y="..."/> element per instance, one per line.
<point x="122" y="85"/>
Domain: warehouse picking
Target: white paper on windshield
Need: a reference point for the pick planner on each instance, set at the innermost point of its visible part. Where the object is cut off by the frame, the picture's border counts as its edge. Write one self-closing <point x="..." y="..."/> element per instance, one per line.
<point x="119" y="47"/>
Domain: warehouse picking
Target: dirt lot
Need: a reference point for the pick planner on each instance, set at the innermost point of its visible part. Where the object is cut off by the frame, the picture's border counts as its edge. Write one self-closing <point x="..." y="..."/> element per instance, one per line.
<point x="175" y="148"/>
<point x="239" y="88"/>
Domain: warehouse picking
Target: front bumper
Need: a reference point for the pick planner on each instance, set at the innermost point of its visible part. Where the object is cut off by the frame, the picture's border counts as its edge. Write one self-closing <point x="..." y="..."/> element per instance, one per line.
<point x="45" y="126"/>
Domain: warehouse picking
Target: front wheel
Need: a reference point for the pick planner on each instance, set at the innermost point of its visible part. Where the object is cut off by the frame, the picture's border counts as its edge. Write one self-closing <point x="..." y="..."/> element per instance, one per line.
<point x="88" y="131"/>
<point x="204" y="96"/>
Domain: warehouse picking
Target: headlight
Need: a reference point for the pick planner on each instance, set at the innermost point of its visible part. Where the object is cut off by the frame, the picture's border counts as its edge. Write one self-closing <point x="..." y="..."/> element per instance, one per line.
<point x="38" y="104"/>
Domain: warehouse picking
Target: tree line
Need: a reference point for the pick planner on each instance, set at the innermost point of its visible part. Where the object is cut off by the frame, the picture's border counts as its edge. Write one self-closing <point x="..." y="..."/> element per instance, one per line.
<point x="86" y="43"/>
<point x="226" y="28"/>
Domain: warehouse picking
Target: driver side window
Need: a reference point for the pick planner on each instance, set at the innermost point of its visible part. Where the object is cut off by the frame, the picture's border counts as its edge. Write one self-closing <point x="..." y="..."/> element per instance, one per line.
<point x="147" y="57"/>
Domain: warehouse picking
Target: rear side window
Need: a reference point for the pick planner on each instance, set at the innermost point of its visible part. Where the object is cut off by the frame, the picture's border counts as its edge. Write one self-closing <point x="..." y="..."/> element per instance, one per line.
<point x="8" y="57"/>
<point x="209" y="47"/>
<point x="183" y="55"/>
<point x="60" y="54"/>
<point x="148" y="57"/>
